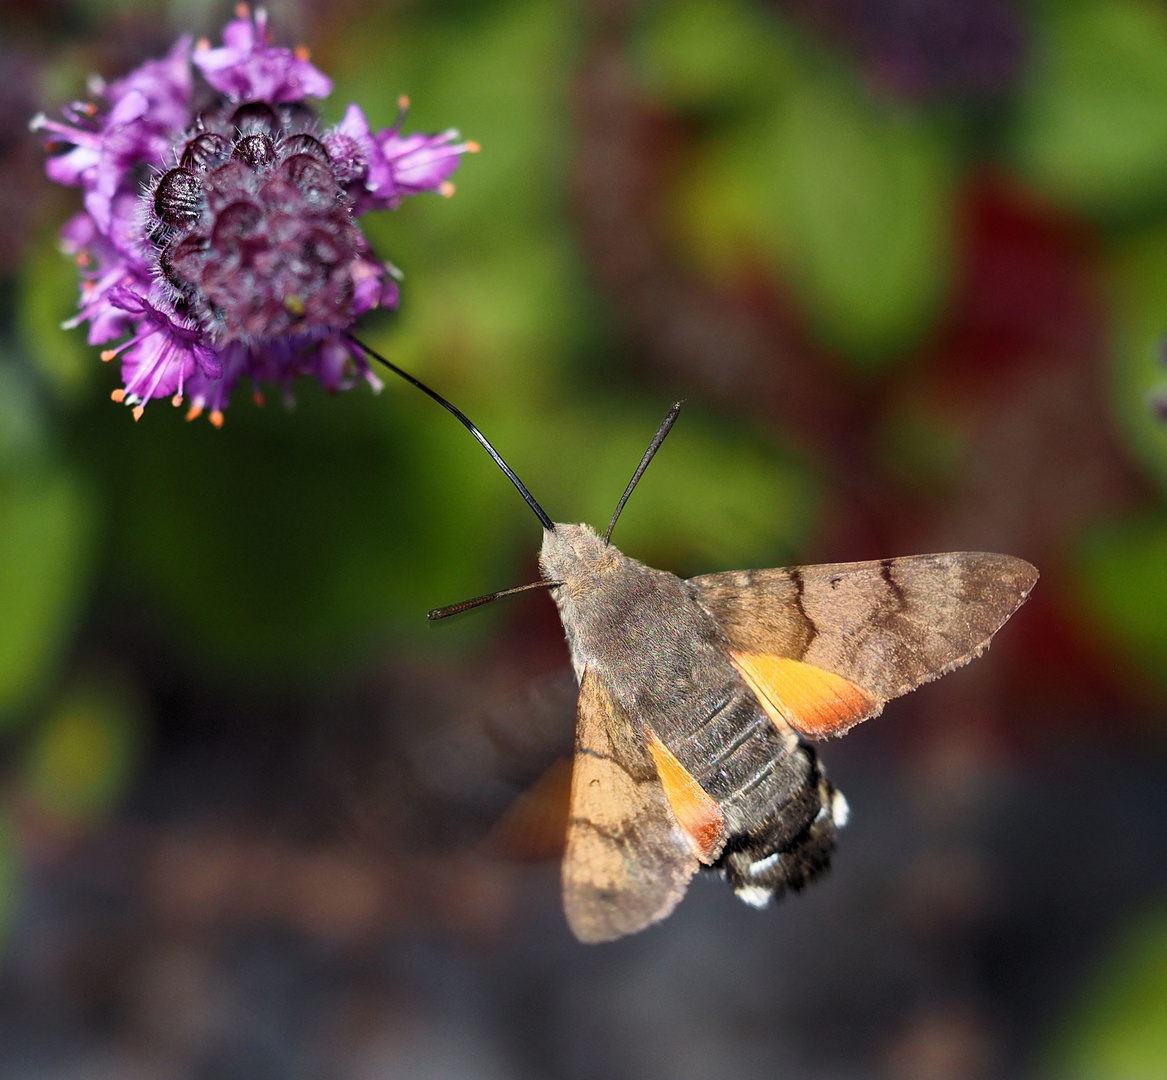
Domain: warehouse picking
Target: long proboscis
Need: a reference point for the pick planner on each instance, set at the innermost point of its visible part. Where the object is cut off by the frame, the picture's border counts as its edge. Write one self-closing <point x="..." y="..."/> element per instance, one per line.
<point x="540" y="513"/>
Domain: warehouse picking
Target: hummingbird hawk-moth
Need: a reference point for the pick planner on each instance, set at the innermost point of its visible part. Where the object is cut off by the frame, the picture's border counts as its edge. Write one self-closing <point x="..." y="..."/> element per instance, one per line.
<point x="699" y="700"/>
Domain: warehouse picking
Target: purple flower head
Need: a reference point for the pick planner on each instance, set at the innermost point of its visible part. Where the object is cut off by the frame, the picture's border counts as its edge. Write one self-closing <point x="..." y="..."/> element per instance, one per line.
<point x="225" y="243"/>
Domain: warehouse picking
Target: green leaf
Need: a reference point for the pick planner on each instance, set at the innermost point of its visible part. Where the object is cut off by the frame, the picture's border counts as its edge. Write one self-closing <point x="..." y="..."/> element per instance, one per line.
<point x="493" y="282"/>
<point x="81" y="755"/>
<point x="48" y="296"/>
<point x="24" y="433"/>
<point x="1139" y="332"/>
<point x="1123" y="576"/>
<point x="46" y="532"/>
<point x="288" y="543"/>
<point x="704" y="55"/>
<point x="861" y="218"/>
<point x="714" y="497"/>
<point x="1116" y="1032"/>
<point x="846" y="200"/>
<point x="1091" y="124"/>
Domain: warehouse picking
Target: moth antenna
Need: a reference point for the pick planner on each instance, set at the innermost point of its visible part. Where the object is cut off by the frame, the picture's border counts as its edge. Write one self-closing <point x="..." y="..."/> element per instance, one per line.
<point x="653" y="447"/>
<point x="478" y="601"/>
<point x="540" y="513"/>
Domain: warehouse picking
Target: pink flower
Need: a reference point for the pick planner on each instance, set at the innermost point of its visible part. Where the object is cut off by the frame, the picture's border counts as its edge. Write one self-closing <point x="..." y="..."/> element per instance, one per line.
<point x="226" y="244"/>
<point x="391" y="166"/>
<point x="247" y="68"/>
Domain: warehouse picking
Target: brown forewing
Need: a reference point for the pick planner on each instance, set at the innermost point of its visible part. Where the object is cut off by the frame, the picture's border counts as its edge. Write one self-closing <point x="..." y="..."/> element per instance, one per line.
<point x="887" y="626"/>
<point x="628" y="863"/>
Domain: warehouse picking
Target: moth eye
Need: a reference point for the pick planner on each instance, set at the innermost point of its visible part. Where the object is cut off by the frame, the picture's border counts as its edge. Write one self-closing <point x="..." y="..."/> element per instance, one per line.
<point x="257" y="151"/>
<point x="179" y="198"/>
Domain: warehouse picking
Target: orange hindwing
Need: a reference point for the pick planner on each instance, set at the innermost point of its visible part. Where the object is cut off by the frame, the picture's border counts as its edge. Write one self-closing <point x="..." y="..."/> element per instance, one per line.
<point x="815" y="702"/>
<point x="697" y="813"/>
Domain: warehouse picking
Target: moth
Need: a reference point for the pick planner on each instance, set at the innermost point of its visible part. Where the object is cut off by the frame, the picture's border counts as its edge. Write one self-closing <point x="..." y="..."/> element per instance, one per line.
<point x="699" y="701"/>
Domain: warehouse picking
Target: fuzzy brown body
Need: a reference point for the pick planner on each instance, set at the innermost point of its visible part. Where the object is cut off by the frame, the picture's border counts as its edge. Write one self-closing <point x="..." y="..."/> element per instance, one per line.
<point x="663" y="659"/>
<point x="678" y="684"/>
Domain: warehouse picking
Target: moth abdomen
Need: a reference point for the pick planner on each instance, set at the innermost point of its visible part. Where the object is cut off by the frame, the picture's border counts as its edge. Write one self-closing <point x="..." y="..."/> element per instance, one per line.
<point x="792" y="846"/>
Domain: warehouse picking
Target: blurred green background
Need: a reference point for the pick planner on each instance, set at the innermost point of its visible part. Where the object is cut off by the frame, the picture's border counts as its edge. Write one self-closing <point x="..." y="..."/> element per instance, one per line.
<point x="907" y="264"/>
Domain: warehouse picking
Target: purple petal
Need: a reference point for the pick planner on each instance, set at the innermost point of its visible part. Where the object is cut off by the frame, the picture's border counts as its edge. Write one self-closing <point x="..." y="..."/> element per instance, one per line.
<point x="350" y="145"/>
<point x="127" y="299"/>
<point x="209" y="363"/>
<point x="165" y="84"/>
<point x="156" y="366"/>
<point x="78" y="233"/>
<point x="420" y="162"/>
<point x="332" y="364"/>
<point x="248" y="69"/>
<point x="373" y="286"/>
<point x="213" y="392"/>
<point x="160" y="280"/>
<point x="75" y="168"/>
<point x="131" y="106"/>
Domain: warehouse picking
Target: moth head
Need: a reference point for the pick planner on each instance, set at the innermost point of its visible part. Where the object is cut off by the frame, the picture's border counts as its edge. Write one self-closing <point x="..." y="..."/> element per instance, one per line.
<point x="573" y="553"/>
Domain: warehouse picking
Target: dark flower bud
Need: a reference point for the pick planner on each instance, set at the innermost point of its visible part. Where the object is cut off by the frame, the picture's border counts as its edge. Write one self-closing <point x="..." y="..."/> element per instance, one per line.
<point x="225" y="184"/>
<point x="204" y="152"/>
<point x="303" y="143"/>
<point x="258" y="151"/>
<point x="296" y="116"/>
<point x="178" y="199"/>
<point x="320" y="249"/>
<point x="245" y="258"/>
<point x="236" y="224"/>
<point x="281" y="195"/>
<point x="181" y="262"/>
<point x="313" y="177"/>
<point x="256" y="118"/>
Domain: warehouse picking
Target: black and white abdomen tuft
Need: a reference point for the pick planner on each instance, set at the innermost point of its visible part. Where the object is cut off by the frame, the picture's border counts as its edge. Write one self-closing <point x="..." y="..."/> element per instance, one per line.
<point x="793" y="845"/>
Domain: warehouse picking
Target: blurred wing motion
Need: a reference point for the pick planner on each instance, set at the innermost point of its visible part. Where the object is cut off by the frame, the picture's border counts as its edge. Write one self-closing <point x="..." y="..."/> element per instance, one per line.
<point x="628" y="861"/>
<point x="825" y="647"/>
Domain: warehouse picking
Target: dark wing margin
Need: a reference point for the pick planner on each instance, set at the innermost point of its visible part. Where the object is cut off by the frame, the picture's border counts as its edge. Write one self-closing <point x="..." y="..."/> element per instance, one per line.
<point x="628" y="863"/>
<point x="886" y="626"/>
